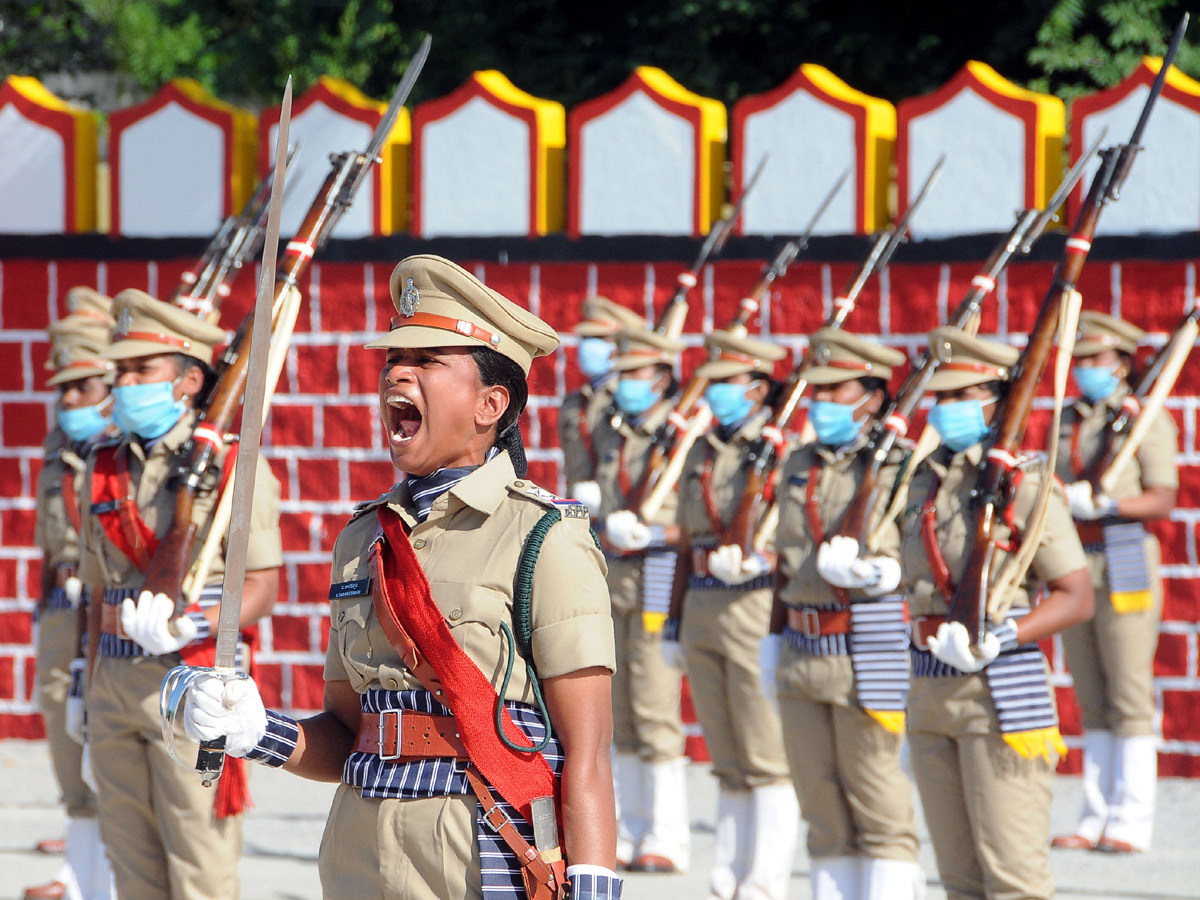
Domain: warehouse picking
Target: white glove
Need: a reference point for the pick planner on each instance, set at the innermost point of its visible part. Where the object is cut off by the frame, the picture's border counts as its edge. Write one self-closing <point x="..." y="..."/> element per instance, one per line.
<point x="86" y="772"/>
<point x="672" y="654"/>
<point x="587" y="493"/>
<point x="838" y="563"/>
<point x="952" y="645"/>
<point x="626" y="531"/>
<point x="74" y="712"/>
<point x="148" y="623"/>
<point x="769" y="649"/>
<point x="1087" y="507"/>
<point x="230" y="709"/>
<point x="73" y="588"/>
<point x="729" y="565"/>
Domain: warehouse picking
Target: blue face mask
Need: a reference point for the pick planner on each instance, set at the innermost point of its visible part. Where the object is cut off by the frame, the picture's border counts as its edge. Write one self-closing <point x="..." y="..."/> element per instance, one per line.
<point x="147" y="410"/>
<point x="728" y="402"/>
<point x="834" y="422"/>
<point x="84" y="423"/>
<point x="595" y="357"/>
<point x="960" y="424"/>
<point x="1096" y="382"/>
<point x="635" y="395"/>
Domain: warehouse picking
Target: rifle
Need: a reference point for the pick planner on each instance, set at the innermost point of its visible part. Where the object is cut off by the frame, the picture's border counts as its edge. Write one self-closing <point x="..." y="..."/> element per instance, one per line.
<point x="195" y="468"/>
<point x="765" y="453"/>
<point x="671" y="321"/>
<point x="1133" y="418"/>
<point x="891" y="423"/>
<point x="238" y="239"/>
<point x="686" y="423"/>
<point x="994" y="487"/>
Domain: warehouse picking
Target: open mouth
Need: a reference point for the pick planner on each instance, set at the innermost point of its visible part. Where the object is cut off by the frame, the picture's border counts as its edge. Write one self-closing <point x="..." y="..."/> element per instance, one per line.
<point x="403" y="419"/>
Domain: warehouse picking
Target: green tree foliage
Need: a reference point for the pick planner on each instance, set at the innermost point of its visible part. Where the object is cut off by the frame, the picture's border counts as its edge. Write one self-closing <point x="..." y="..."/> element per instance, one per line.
<point x="569" y="51"/>
<point x="1087" y="44"/>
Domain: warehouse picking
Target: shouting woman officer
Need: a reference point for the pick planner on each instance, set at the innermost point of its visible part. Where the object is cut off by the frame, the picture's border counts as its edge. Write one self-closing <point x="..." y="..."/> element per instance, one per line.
<point x="438" y="588"/>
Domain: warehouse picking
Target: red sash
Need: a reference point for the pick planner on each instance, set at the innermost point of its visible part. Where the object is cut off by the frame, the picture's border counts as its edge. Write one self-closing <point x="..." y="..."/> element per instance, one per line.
<point x="114" y="506"/>
<point x="518" y="777"/>
<point x="816" y="528"/>
<point x="70" y="498"/>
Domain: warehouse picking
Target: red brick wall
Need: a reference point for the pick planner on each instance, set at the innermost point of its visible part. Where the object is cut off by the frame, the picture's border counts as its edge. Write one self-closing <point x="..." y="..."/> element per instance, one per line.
<point x="325" y="447"/>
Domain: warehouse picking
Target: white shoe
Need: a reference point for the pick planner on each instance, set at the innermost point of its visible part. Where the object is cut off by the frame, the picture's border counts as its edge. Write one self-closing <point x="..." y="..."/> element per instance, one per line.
<point x="892" y="879"/>
<point x="1131" y="806"/>
<point x="629" y="773"/>
<point x="732" y="846"/>
<point x="1099" y="764"/>
<point x="776" y="825"/>
<point x="88" y="859"/>
<point x="666" y="844"/>
<point x="836" y="878"/>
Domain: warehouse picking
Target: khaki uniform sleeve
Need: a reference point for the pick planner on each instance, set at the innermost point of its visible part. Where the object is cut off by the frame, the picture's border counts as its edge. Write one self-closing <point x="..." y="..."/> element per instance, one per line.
<point x="572" y="615"/>
<point x="1156" y="455"/>
<point x="265" y="547"/>
<point x="335" y="666"/>
<point x="1059" y="552"/>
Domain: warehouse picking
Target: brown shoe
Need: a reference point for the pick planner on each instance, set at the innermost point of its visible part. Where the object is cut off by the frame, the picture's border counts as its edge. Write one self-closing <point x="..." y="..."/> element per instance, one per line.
<point x="648" y="862"/>
<point x="1112" y="845"/>
<point x="55" y="890"/>
<point x="51" y="845"/>
<point x="1073" y="842"/>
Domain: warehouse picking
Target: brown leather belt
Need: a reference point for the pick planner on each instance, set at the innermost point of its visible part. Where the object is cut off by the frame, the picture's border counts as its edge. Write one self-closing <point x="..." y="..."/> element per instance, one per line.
<point x="923" y="628"/>
<point x="700" y="561"/>
<point x="407" y="734"/>
<point x="110" y="621"/>
<point x="1090" y="532"/>
<point x="813" y="623"/>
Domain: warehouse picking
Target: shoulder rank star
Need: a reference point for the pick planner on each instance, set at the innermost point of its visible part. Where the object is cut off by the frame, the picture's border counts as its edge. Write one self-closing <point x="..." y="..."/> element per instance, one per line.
<point x="410" y="298"/>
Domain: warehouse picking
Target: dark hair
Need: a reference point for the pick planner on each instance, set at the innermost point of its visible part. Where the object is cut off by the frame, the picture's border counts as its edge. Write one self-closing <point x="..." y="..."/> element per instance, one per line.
<point x="871" y="384"/>
<point x="1130" y="361"/>
<point x="497" y="369"/>
<point x="183" y="362"/>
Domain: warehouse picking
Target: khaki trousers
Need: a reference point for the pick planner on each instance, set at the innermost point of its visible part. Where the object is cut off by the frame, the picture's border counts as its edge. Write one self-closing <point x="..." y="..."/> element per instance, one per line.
<point x="1111" y="657"/>
<point x="56" y="641"/>
<point x="987" y="808"/>
<point x="853" y="794"/>
<point x="155" y="817"/>
<point x="423" y="849"/>
<point x="720" y="636"/>
<point x="645" y="690"/>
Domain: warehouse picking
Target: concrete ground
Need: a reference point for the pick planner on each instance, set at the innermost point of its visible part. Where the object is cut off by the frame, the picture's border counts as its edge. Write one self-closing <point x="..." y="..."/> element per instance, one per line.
<point x="283" y="831"/>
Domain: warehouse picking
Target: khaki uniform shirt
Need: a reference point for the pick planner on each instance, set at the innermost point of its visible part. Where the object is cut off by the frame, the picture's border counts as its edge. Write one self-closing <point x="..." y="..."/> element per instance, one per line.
<point x="730" y="467"/>
<point x="1058" y="554"/>
<point x="584" y="408"/>
<point x="468" y="548"/>
<point x="633" y="441"/>
<point x="1153" y="465"/>
<point x="55" y="532"/>
<point x="840" y="471"/>
<point x="102" y="562"/>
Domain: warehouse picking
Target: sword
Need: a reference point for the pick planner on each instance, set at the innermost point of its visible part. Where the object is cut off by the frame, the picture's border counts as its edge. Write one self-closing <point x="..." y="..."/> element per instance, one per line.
<point x="211" y="758"/>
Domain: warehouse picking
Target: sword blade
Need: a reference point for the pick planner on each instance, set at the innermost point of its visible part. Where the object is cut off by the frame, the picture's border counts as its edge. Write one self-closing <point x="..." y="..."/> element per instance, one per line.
<point x="253" y="401"/>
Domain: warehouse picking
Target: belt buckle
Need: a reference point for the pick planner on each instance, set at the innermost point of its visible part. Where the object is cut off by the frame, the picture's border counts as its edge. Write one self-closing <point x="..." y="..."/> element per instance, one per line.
<point x="810" y="622"/>
<point x="383" y="755"/>
<point x="504" y="818"/>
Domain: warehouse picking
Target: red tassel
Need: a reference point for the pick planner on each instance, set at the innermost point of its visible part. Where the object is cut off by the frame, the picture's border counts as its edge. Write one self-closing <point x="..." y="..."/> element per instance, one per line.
<point x="233" y="789"/>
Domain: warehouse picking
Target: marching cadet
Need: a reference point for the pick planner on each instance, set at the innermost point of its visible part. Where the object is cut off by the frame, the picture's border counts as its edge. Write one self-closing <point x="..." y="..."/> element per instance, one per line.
<point x="167" y="836"/>
<point x="984" y="756"/>
<point x="841" y="663"/>
<point x="438" y="587"/>
<point x="83" y="379"/>
<point x="648" y="735"/>
<point x="1111" y="657"/>
<point x="583" y="409"/>
<point x="724" y="615"/>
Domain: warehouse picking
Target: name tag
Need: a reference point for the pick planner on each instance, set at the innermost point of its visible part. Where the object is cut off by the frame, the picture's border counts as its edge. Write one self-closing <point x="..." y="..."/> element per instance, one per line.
<point x="345" y="589"/>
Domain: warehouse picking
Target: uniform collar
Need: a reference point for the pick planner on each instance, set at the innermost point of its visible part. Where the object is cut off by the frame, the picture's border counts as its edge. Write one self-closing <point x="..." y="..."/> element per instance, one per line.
<point x="1112" y="401"/>
<point x="486" y="487"/>
<point x="846" y="450"/>
<point x="173" y="440"/>
<point x="652" y="419"/>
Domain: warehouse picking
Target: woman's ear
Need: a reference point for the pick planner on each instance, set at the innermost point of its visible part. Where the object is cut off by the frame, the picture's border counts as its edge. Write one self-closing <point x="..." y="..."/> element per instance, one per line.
<point x="493" y="403"/>
<point x="757" y="390"/>
<point x="192" y="382"/>
<point x="874" y="402"/>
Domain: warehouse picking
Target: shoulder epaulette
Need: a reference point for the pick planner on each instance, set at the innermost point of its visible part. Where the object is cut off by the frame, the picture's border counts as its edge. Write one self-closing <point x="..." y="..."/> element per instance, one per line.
<point x="368" y="505"/>
<point x="570" y="509"/>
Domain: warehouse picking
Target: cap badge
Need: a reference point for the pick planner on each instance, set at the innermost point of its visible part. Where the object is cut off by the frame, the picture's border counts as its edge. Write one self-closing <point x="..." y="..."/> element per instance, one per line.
<point x="72" y="303"/>
<point x="62" y="357"/>
<point x="125" y="321"/>
<point x="410" y="298"/>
